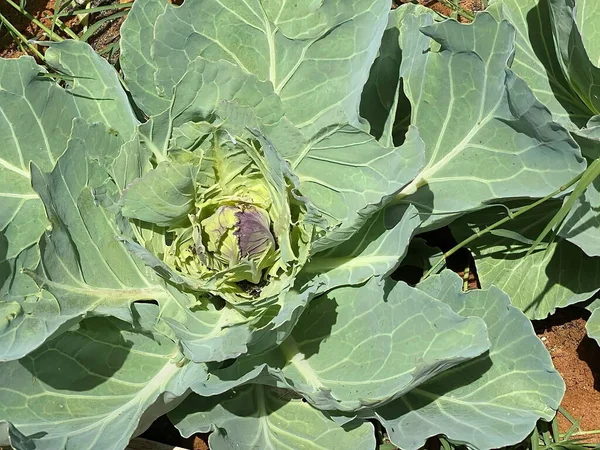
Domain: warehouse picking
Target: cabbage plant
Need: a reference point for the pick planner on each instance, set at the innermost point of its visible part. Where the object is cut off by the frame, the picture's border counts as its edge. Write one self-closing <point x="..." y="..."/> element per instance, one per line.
<point x="212" y="234"/>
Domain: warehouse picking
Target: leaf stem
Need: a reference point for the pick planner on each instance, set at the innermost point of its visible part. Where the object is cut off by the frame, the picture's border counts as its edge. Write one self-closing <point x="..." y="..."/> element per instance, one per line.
<point x="495" y="225"/>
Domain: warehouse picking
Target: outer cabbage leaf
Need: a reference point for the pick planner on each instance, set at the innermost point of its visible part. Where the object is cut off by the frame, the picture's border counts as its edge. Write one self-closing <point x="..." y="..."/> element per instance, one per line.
<point x="336" y="360"/>
<point x="492" y="401"/>
<point x="95" y="87"/>
<point x="136" y="59"/>
<point x="28" y="134"/>
<point x="555" y="275"/>
<point x="94" y="386"/>
<point x="482" y="113"/>
<point x="257" y="416"/>
<point x="374" y="251"/>
<point x="349" y="176"/>
<point x="318" y="73"/>
<point x="34" y="135"/>
<point x="87" y="269"/>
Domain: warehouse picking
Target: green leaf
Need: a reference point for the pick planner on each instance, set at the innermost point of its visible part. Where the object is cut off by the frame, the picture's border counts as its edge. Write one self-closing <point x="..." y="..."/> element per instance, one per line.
<point x="318" y="73"/>
<point x="136" y="59"/>
<point x="593" y="325"/>
<point x="491" y="401"/>
<point x="90" y="387"/>
<point x="383" y="103"/>
<point x="415" y="337"/>
<point x="481" y="112"/>
<point x="27" y="316"/>
<point x="209" y="87"/>
<point x="163" y="196"/>
<point x="536" y="284"/>
<point x="588" y="23"/>
<point x="582" y="224"/>
<point x="28" y="134"/>
<point x="349" y="176"/>
<point x="95" y="86"/>
<point x="536" y="61"/>
<point x="257" y="416"/>
<point x="375" y="250"/>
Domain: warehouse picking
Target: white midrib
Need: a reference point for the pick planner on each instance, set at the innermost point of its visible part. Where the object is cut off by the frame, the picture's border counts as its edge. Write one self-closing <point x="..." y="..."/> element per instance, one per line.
<point x="430" y="171"/>
<point x="296" y="358"/>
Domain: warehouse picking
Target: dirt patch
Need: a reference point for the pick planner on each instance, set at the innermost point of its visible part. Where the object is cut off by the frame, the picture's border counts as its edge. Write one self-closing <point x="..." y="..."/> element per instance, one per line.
<point x="577" y="359"/>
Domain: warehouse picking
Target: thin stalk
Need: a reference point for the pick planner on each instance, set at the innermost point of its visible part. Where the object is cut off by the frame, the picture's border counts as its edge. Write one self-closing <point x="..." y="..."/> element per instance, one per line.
<point x="43" y="27"/>
<point x="459" y="9"/>
<point x="585" y="433"/>
<point x="95" y="10"/>
<point x="23" y="39"/>
<point x="51" y="34"/>
<point x="493" y="226"/>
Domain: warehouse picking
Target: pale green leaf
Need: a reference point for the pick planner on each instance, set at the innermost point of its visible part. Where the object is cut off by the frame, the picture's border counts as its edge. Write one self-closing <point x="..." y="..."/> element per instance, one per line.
<point x="163" y="196"/>
<point x="90" y="387"/>
<point x="482" y="112"/>
<point x="263" y="417"/>
<point x="492" y="401"/>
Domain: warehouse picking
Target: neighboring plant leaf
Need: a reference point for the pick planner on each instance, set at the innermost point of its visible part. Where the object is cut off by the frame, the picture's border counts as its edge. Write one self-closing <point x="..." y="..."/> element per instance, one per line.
<point x="89" y="387"/>
<point x="416" y="337"/>
<point x="259" y="416"/>
<point x="541" y="282"/>
<point x="490" y="402"/>
<point x="482" y="111"/>
<point x="319" y="76"/>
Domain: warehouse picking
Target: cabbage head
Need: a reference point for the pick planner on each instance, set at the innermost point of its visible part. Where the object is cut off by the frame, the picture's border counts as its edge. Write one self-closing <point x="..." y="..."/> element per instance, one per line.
<point x="240" y="230"/>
